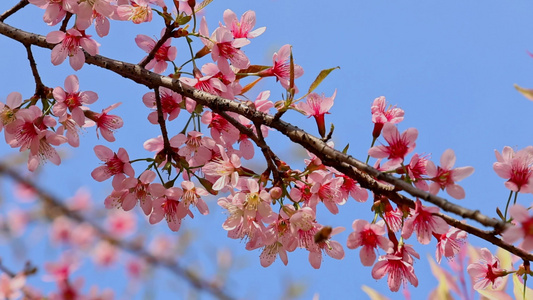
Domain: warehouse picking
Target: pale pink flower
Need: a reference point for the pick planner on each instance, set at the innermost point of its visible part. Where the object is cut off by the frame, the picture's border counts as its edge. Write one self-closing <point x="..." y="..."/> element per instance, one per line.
<point x="163" y="54"/>
<point x="105" y="254"/>
<point x="382" y="114"/>
<point x="254" y="199"/>
<point x="170" y="104"/>
<point x="9" y="109"/>
<point x="416" y="169"/>
<point x="71" y="130"/>
<point x="399" y="145"/>
<point x="11" y="287"/>
<point x="138" y="189"/>
<point x="398" y="266"/>
<point x="167" y="205"/>
<point x="121" y="223"/>
<point x="56" y="9"/>
<point x="72" y="99"/>
<point x="70" y="44"/>
<point x="487" y="271"/>
<point x="522" y="227"/>
<point x="114" y="164"/>
<point x="393" y="218"/>
<point x="450" y="243"/>
<point x="192" y="196"/>
<point x="197" y="149"/>
<point x="332" y="248"/>
<point x="223" y="46"/>
<point x="317" y="106"/>
<point x="369" y="237"/>
<point x="516" y="167"/>
<point x="98" y="11"/>
<point x="281" y="67"/>
<point x="138" y="12"/>
<point x="224" y="169"/>
<point x="326" y="189"/>
<point x="30" y="131"/>
<point x="106" y="123"/>
<point x="444" y="177"/>
<point x="424" y="223"/>
<point x="242" y="28"/>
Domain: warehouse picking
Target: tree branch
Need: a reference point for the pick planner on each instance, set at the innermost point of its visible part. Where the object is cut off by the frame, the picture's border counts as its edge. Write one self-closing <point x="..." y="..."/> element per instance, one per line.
<point x="52" y="202"/>
<point x="13" y="10"/>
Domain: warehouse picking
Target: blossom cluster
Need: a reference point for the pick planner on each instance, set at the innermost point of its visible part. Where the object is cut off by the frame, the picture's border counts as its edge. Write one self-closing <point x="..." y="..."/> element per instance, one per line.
<point x="276" y="210"/>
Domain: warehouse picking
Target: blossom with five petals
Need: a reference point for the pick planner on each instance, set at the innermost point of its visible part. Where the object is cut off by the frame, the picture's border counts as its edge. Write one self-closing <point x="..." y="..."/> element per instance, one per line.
<point x="317" y="106"/>
<point x="487" y="271"/>
<point x="399" y="145"/>
<point x="70" y="44"/>
<point x="444" y="177"/>
<point x="516" y="167"/>
<point x="369" y="237"/>
<point x="72" y="99"/>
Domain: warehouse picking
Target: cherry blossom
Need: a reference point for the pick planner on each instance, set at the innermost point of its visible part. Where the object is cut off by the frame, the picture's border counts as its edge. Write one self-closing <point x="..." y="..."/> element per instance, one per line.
<point x="56" y="9"/>
<point x="424" y="222"/>
<point x="70" y="44"/>
<point x="11" y="288"/>
<point x="399" y="145"/>
<point x="382" y="114"/>
<point x="444" y="177"/>
<point x="398" y="266"/>
<point x="138" y="11"/>
<point x="106" y="123"/>
<point x="449" y="243"/>
<point x="72" y="99"/>
<point x="170" y="104"/>
<point x="167" y="205"/>
<point x="281" y="67"/>
<point x="317" y="106"/>
<point x="522" y="227"/>
<point x="224" y="169"/>
<point x="98" y="11"/>
<point x="487" y="271"/>
<point x="9" y="109"/>
<point x="516" y="167"/>
<point x="163" y="54"/>
<point x="242" y="28"/>
<point x="369" y="237"/>
<point x="114" y="164"/>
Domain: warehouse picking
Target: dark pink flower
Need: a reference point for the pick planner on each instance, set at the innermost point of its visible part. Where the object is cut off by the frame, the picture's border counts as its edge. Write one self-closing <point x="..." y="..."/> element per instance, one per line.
<point x="369" y="237"/>
<point x="281" y="67"/>
<point x="70" y="44"/>
<point x="424" y="222"/>
<point x="399" y="145"/>
<point x="242" y="28"/>
<point x="516" y="167"/>
<point x="163" y="54"/>
<point x="382" y="114"/>
<point x="450" y="243"/>
<point x="317" y="106"/>
<point x="399" y="266"/>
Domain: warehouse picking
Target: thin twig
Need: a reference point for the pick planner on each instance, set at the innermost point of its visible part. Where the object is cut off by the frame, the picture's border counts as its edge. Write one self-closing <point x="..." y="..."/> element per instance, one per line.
<point x="13" y="10"/>
<point x="162" y="124"/>
<point x="55" y="204"/>
<point x="159" y="44"/>
<point x="41" y="90"/>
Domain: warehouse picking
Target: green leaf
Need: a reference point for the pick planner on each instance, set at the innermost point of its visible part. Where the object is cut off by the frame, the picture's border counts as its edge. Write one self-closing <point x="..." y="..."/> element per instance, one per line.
<point x="345" y="150"/>
<point x="323" y="74"/>
<point x="202" y="5"/>
<point x="528" y="93"/>
<point x="183" y="19"/>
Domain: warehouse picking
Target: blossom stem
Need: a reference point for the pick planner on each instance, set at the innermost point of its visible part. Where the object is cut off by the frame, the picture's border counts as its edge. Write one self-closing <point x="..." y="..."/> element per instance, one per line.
<point x="507" y="206"/>
<point x="371" y="145"/>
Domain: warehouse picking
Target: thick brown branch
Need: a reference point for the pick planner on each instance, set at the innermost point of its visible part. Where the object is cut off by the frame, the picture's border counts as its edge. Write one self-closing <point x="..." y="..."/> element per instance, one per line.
<point x="56" y="205"/>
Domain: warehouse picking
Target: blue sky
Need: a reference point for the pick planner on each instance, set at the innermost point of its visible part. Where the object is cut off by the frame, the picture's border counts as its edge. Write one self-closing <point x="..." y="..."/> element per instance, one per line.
<point x="450" y="65"/>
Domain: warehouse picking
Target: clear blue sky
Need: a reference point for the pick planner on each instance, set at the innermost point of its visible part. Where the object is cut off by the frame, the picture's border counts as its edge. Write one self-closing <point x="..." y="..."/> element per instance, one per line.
<point x="450" y="65"/>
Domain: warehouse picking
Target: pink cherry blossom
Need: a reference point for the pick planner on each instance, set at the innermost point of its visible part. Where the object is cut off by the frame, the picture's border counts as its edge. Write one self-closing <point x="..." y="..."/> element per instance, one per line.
<point x="382" y="114"/>
<point x="192" y="196"/>
<point x="222" y="131"/>
<point x="167" y="205"/>
<point x="255" y="200"/>
<point x="138" y="189"/>
<point x="242" y="28"/>
<point x="424" y="222"/>
<point x="72" y="99"/>
<point x="170" y="104"/>
<point x="114" y="164"/>
<point x="398" y="266"/>
<point x="121" y="223"/>
<point x="450" y="243"/>
<point x="281" y="67"/>
<point x="138" y="12"/>
<point x="416" y="169"/>
<point x="369" y="237"/>
<point x="399" y="145"/>
<point x="352" y="188"/>
<point x="9" y="109"/>
<point x="11" y="287"/>
<point x="163" y="54"/>
<point x="224" y="47"/>
<point x="106" y="123"/>
<point x="224" y="169"/>
<point x="487" y="271"/>
<point x="98" y="11"/>
<point x="332" y="248"/>
<point x="326" y="189"/>
<point x="56" y="10"/>
<point x="444" y="177"/>
<point x="197" y="149"/>
<point x="317" y="106"/>
<point x="105" y="254"/>
<point x="516" y="167"/>
<point x="70" y="44"/>
<point x="522" y="227"/>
